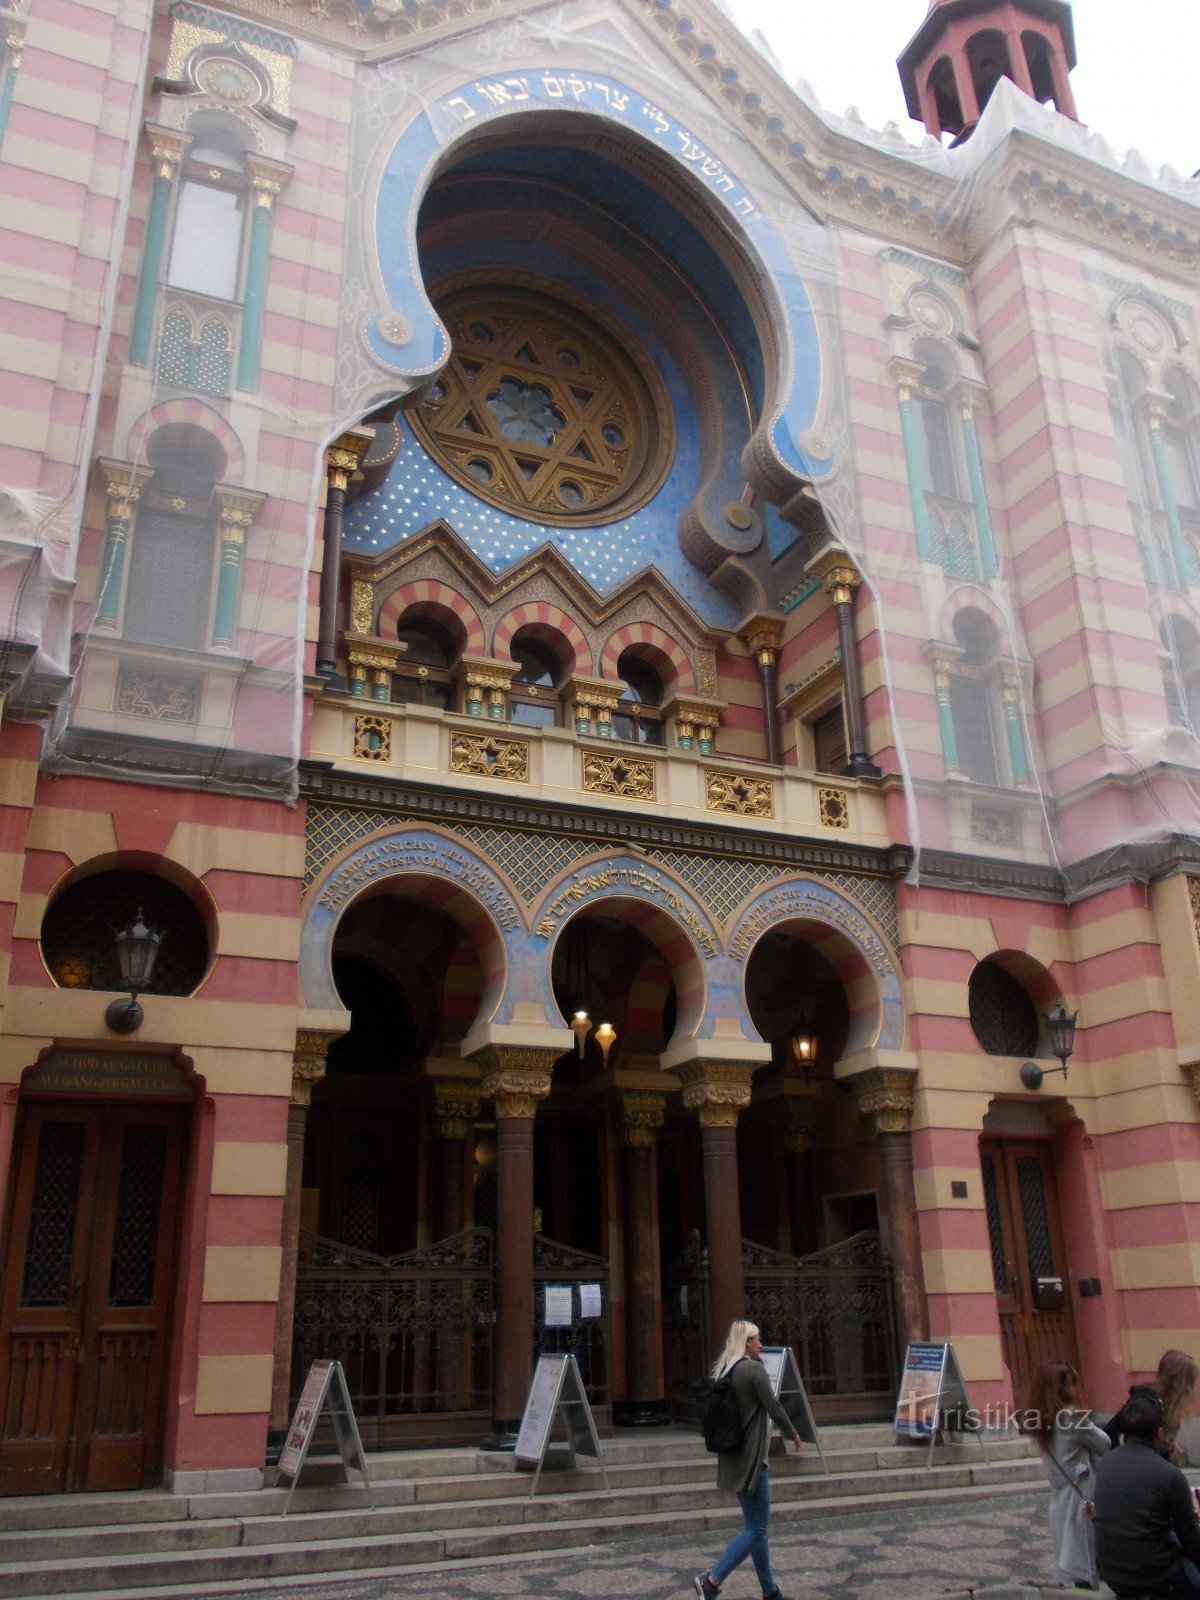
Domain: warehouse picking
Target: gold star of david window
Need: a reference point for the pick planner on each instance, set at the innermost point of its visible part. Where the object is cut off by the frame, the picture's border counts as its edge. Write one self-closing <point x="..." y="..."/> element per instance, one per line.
<point x="543" y="409"/>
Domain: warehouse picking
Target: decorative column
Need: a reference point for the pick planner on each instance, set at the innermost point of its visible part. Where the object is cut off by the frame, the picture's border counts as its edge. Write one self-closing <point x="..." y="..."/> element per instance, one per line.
<point x="941" y="658"/>
<point x="371" y="663"/>
<point x="236" y="518"/>
<point x="841" y="580"/>
<point x="1158" y="414"/>
<point x="456" y="1110"/>
<point x="342" y="461"/>
<point x="123" y="485"/>
<point x="486" y="685"/>
<point x="717" y="1091"/>
<point x="267" y="179"/>
<point x="696" y="722"/>
<point x="983" y="515"/>
<point x="593" y="705"/>
<point x="168" y="148"/>
<point x="641" y="1114"/>
<point x="762" y="636"/>
<point x="515" y="1078"/>
<point x="14" y="40"/>
<point x="1010" y="692"/>
<point x="909" y="375"/>
<point x="308" y="1068"/>
<point x="886" y="1094"/>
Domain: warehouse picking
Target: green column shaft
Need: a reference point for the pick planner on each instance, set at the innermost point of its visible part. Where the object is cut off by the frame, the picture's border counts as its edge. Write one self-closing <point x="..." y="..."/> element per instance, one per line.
<point x="983" y="518"/>
<point x="252" y="308"/>
<point x="916" y="476"/>
<point x="112" y="572"/>
<point x="946" y="726"/>
<point x="229" y="583"/>
<point x="6" y="97"/>
<point x="1158" y="448"/>
<point x="152" y="254"/>
<point x="1016" y="741"/>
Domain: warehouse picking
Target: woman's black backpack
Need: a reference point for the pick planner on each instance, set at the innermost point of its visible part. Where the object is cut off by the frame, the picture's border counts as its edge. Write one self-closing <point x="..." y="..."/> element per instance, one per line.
<point x="719" y="1419"/>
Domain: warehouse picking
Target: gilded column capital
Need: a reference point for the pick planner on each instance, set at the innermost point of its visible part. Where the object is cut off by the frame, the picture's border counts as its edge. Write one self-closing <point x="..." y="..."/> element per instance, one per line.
<point x="123" y="485"/>
<point x="481" y="672"/>
<point x="456" y="1106"/>
<point x="168" y="149"/>
<point x="943" y="658"/>
<point x="308" y="1061"/>
<point x="594" y="693"/>
<point x="716" y="1090"/>
<point x="344" y="454"/>
<point x="1157" y="404"/>
<point x="642" y="1112"/>
<point x="237" y="507"/>
<point x="268" y="179"/>
<point x="516" y="1077"/>
<point x="840" y="584"/>
<point x="908" y="376"/>
<point x="887" y="1094"/>
<point x="762" y="636"/>
<point x="369" y="650"/>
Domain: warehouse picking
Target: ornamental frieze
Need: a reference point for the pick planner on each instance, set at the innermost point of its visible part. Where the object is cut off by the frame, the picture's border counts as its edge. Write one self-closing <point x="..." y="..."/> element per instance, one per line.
<point x="480" y="755"/>
<point x="618" y="774"/>
<point x="738" y="794"/>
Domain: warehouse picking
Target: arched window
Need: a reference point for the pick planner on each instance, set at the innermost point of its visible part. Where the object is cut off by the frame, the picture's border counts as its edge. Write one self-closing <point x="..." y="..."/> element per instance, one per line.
<point x="987" y="56"/>
<point x="946" y="97"/>
<point x="637" y="717"/>
<point x="973" y="696"/>
<point x="533" y="697"/>
<point x="80" y="951"/>
<point x="167" y="598"/>
<point x="425" y="672"/>
<point x="939" y="450"/>
<point x="1181" y="672"/>
<point x="1003" y="1018"/>
<point x="206" y="246"/>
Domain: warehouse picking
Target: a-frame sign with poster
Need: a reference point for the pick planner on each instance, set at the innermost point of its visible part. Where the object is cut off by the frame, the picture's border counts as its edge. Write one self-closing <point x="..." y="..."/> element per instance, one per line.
<point x="788" y="1388"/>
<point x="325" y="1389"/>
<point x="557" y="1394"/>
<point x="933" y="1397"/>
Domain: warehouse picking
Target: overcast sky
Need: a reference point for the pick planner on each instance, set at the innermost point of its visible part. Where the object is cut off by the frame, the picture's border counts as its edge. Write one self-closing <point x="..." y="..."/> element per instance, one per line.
<point x="1136" y="82"/>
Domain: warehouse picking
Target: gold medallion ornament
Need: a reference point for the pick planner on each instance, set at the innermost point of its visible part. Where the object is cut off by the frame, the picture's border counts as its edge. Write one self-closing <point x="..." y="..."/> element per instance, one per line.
<point x="543" y="410"/>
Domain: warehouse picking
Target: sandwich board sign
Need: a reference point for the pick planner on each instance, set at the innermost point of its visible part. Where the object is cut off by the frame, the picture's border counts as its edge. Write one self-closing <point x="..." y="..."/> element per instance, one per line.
<point x="556" y="1395"/>
<point x="933" y="1397"/>
<point x="788" y="1388"/>
<point x="325" y="1388"/>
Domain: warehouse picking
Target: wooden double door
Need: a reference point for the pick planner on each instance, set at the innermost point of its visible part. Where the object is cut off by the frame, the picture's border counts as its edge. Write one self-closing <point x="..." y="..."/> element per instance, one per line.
<point x="1029" y="1257"/>
<point x="85" y="1303"/>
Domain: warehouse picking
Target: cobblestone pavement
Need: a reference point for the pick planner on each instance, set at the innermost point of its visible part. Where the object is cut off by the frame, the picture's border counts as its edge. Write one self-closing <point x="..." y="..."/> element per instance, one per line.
<point x="882" y="1555"/>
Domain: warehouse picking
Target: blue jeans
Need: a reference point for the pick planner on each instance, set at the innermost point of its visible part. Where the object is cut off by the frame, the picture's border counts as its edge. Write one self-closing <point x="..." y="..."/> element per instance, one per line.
<point x="752" y="1541"/>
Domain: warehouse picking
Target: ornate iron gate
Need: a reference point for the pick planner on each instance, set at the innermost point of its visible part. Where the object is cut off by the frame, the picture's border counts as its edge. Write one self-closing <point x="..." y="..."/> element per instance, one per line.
<point x="413" y="1331"/>
<point x="835" y="1309"/>
<point x="587" y="1338"/>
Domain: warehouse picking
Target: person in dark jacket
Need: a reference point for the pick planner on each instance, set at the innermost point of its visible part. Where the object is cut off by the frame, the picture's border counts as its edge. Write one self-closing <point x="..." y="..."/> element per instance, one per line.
<point x="1147" y="1533"/>
<point x="744" y="1470"/>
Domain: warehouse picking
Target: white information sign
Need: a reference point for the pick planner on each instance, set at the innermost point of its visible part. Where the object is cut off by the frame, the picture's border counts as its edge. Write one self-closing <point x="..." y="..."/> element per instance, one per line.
<point x="325" y="1388"/>
<point x="557" y="1312"/>
<point x="788" y="1388"/>
<point x="556" y="1394"/>
<point x="933" y="1398"/>
<point x="589" y="1300"/>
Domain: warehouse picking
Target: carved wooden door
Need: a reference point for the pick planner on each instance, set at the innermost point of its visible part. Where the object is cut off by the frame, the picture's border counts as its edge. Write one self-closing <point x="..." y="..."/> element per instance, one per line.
<point x="86" y="1295"/>
<point x="1028" y="1257"/>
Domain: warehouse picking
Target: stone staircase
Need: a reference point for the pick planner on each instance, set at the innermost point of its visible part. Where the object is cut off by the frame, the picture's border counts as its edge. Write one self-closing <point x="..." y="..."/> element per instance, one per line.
<point x="436" y="1506"/>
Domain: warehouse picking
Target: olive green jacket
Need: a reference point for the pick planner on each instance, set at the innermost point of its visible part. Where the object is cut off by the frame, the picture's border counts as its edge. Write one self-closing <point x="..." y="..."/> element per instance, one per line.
<point x="738" y="1469"/>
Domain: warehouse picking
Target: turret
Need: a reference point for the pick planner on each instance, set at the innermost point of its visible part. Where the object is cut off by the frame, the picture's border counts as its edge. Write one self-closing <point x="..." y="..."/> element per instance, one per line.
<point x="964" y="47"/>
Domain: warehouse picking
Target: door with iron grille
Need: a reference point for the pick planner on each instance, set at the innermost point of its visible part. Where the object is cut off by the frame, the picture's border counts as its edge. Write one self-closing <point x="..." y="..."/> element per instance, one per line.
<point x="86" y="1295"/>
<point x="1029" y="1259"/>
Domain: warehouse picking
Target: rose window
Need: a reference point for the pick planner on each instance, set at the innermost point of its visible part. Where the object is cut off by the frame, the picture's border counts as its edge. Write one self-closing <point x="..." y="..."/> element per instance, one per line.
<point x="543" y="409"/>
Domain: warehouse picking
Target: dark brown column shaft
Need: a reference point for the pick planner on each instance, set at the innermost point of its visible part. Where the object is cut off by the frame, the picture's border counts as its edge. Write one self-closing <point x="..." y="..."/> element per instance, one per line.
<point x="768" y="675"/>
<point x="723" y="1219"/>
<point x="452" y="1154"/>
<point x="331" y="569"/>
<point x="900" y="1198"/>
<point x="514" y="1265"/>
<point x="641" y="1272"/>
<point x="840" y="584"/>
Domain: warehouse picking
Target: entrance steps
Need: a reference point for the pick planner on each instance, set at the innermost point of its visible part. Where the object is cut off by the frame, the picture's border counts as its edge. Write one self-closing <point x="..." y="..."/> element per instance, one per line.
<point x="437" y="1506"/>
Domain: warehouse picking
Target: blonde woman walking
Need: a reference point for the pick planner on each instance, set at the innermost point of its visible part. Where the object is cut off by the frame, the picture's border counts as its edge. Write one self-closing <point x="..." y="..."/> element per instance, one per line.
<point x="744" y="1470"/>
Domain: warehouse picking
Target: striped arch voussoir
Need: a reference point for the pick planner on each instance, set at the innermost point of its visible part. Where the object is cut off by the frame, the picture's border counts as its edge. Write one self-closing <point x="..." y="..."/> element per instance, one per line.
<point x="663" y="652"/>
<point x="429" y="598"/>
<point x="197" y="415"/>
<point x="552" y="626"/>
